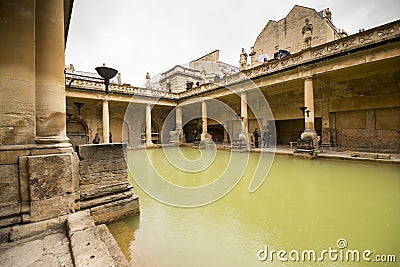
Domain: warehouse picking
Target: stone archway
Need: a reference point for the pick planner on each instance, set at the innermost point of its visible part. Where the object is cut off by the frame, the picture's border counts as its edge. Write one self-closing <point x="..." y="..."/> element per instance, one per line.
<point x="116" y="129"/>
<point x="77" y="132"/>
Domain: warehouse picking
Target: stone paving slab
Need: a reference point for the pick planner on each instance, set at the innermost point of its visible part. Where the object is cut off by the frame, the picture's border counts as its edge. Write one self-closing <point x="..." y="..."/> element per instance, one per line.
<point x="52" y="250"/>
<point x="72" y="240"/>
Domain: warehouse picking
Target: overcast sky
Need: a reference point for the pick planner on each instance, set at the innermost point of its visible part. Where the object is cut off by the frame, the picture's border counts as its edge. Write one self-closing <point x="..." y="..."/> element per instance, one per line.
<point x="136" y="36"/>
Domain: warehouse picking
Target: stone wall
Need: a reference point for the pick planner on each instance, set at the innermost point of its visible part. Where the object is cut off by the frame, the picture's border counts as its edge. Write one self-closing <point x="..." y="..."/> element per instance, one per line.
<point x="372" y="129"/>
<point x="287" y="33"/>
<point x="38" y="183"/>
<point x="103" y="184"/>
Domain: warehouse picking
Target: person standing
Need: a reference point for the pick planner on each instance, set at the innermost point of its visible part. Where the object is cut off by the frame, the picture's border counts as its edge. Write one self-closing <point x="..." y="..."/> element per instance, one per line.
<point x="96" y="139"/>
<point x="256" y="135"/>
<point x="266" y="137"/>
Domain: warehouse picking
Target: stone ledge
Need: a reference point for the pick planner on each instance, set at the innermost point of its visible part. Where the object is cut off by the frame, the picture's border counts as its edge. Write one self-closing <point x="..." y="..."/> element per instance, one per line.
<point x="116" y="210"/>
<point x="101" y="151"/>
<point x="112" y="246"/>
<point x="86" y="245"/>
<point x="105" y="199"/>
<point x="89" y="193"/>
<point x="37" y="229"/>
<point x="369" y="155"/>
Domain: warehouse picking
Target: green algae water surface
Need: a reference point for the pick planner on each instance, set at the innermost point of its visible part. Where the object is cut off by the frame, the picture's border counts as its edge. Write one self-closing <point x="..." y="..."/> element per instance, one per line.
<point x="306" y="213"/>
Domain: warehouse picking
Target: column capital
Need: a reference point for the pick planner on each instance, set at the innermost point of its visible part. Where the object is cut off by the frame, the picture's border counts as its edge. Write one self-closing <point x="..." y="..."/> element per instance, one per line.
<point x="308" y="78"/>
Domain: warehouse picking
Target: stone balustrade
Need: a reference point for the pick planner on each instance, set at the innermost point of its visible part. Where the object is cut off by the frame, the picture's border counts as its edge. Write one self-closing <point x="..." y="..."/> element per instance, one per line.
<point x="346" y="44"/>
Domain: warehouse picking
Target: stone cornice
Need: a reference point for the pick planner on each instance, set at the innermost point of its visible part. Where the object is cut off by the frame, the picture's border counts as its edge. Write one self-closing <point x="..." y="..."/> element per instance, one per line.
<point x="362" y="40"/>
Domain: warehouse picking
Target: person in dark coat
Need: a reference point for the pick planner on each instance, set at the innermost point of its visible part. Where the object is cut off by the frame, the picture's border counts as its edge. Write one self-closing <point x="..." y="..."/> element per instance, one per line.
<point x="96" y="139"/>
<point x="266" y="137"/>
<point x="256" y="135"/>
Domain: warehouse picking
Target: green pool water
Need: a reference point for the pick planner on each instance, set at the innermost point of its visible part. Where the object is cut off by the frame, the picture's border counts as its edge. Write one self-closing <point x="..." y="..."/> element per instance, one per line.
<point x="302" y="205"/>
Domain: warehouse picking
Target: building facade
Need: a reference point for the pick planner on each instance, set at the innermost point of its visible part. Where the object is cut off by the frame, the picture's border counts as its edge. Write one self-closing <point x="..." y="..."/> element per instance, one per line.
<point x="348" y="85"/>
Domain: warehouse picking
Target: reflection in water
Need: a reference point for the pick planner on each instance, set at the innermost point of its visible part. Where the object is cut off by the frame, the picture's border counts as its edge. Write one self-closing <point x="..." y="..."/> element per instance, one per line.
<point x="123" y="233"/>
<point x="303" y="204"/>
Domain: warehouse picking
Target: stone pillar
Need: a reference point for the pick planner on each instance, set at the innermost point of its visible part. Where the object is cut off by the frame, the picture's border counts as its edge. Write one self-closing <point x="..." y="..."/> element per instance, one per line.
<point x="244" y="135"/>
<point x="204" y="134"/>
<point x="106" y="123"/>
<point x="309" y="130"/>
<point x="49" y="73"/>
<point x="243" y="111"/>
<point x="17" y="74"/>
<point x="370" y="119"/>
<point x="326" y="133"/>
<point x="226" y="133"/>
<point x="178" y="118"/>
<point x="178" y="123"/>
<point x="149" y="143"/>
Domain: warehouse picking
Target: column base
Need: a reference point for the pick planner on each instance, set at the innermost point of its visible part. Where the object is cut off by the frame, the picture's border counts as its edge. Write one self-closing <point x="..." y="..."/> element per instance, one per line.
<point x="51" y="139"/>
<point x="149" y="144"/>
<point x="205" y="136"/>
<point x="310" y="134"/>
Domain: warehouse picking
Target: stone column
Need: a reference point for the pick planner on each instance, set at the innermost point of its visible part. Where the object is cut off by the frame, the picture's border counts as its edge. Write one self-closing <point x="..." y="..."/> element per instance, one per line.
<point x="326" y="133"/>
<point x="178" y="123"/>
<point x="17" y="75"/>
<point x="370" y="119"/>
<point x="178" y="118"/>
<point x="49" y="73"/>
<point x="106" y="123"/>
<point x="244" y="135"/>
<point x="204" y="134"/>
<point x="309" y="130"/>
<point x="243" y="111"/>
<point x="226" y="133"/>
<point x="149" y="143"/>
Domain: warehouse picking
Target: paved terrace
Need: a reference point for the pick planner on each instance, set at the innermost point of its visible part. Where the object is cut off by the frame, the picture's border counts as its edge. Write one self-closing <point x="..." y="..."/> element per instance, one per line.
<point x="72" y="240"/>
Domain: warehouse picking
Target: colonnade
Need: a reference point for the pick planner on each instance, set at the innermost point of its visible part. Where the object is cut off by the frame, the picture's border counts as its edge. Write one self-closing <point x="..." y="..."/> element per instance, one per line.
<point x="309" y="115"/>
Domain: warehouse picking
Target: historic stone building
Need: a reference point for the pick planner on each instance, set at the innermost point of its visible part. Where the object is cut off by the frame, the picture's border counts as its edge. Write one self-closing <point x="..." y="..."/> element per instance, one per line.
<point x="205" y="69"/>
<point x="287" y="33"/>
<point x="348" y="88"/>
<point x="347" y="85"/>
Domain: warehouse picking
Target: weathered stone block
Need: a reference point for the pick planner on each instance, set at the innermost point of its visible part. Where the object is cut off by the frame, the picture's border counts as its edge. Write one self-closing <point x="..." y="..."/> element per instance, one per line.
<point x="49" y="151"/>
<point x="10" y="208"/>
<point x="102" y="165"/>
<point x="112" y="246"/>
<point x="11" y="156"/>
<point x="52" y="207"/>
<point x="87" y="247"/>
<point x="105" y="199"/>
<point x="10" y="221"/>
<point x="5" y="235"/>
<point x="9" y="184"/>
<point x="50" y="176"/>
<point x="10" y="203"/>
<point x="101" y="151"/>
<point x="79" y="221"/>
<point x="116" y="210"/>
<point x="38" y="229"/>
<point x="24" y="181"/>
<point x="102" y="190"/>
<point x="103" y="178"/>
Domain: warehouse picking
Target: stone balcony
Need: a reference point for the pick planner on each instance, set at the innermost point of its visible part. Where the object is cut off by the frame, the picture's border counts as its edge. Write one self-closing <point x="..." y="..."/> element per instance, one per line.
<point x="352" y="43"/>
